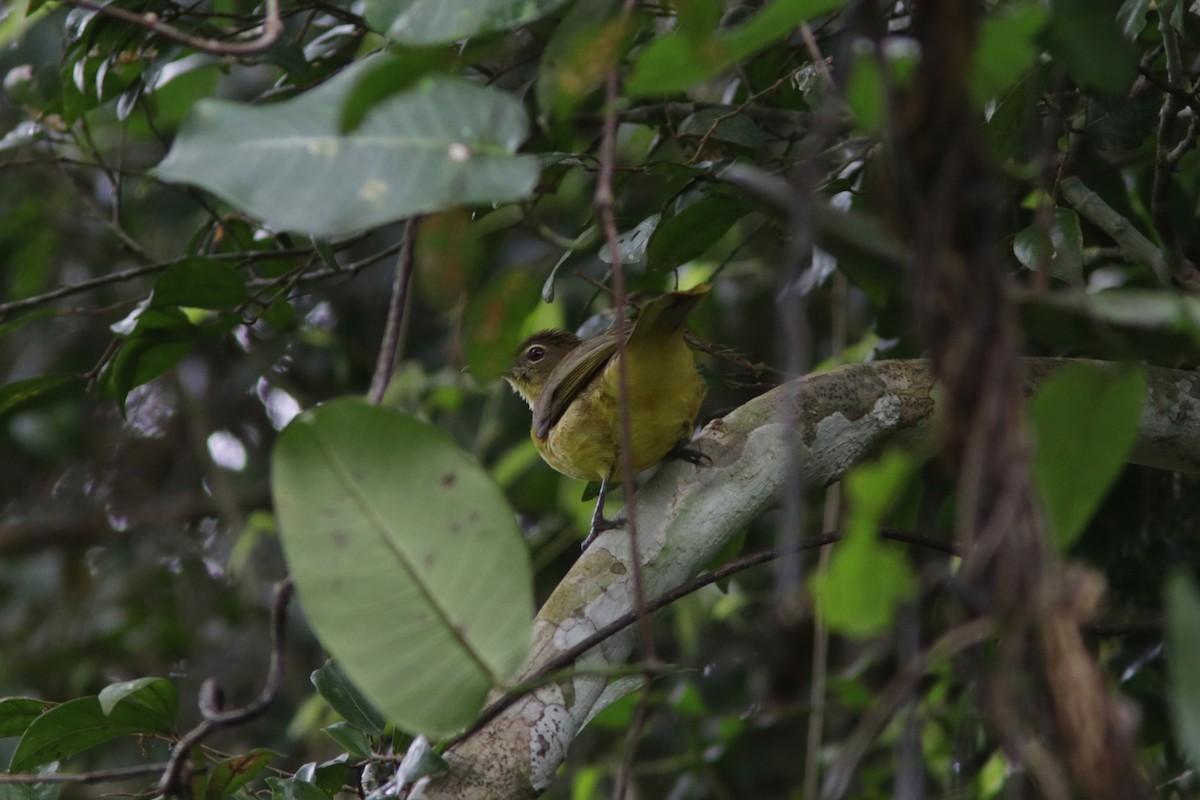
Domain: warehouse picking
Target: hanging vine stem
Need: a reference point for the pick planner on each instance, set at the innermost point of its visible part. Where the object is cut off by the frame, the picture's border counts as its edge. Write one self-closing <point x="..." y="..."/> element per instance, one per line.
<point x="394" y="328"/>
<point x="211" y="702"/>
<point x="272" y="28"/>
<point x="603" y="202"/>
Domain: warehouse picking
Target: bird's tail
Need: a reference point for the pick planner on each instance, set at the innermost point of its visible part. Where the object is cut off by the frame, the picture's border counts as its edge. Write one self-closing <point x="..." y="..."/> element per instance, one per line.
<point x="666" y="314"/>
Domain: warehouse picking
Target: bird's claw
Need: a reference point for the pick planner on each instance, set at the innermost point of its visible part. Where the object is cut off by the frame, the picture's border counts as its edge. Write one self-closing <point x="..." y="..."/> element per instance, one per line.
<point x="599" y="526"/>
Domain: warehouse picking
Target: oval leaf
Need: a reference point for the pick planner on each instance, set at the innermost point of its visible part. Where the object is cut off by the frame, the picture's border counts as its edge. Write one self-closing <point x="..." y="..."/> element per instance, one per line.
<point x="199" y="282"/>
<point x="345" y="698"/>
<point x="686" y="235"/>
<point x="1086" y="420"/>
<point x="79" y="724"/>
<point x="867" y="578"/>
<point x="157" y="695"/>
<point x="407" y="559"/>
<point x="443" y="143"/>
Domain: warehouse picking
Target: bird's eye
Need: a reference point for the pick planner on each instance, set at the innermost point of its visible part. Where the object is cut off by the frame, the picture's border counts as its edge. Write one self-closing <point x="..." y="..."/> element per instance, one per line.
<point x="535" y="353"/>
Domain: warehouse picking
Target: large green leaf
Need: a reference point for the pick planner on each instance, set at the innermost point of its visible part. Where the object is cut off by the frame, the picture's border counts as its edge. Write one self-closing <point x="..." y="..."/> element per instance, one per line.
<point x="445" y="142"/>
<point x="867" y="578"/>
<point x="436" y="21"/>
<point x="407" y="560"/>
<point x="1183" y="660"/>
<point x="79" y="724"/>
<point x="1086" y="420"/>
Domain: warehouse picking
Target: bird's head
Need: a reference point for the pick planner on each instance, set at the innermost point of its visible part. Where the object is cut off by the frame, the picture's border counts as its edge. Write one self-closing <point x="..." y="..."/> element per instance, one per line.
<point x="536" y="359"/>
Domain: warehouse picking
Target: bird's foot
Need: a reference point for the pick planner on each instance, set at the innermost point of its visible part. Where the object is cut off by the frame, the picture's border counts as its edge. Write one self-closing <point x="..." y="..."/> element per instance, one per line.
<point x="599" y="526"/>
<point x="693" y="456"/>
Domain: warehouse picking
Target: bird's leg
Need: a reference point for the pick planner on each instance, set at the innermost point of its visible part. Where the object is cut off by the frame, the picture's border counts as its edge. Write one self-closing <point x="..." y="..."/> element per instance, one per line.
<point x="599" y="523"/>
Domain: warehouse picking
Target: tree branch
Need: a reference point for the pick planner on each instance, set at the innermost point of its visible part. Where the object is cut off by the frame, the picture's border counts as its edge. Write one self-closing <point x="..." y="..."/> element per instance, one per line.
<point x="1133" y="245"/>
<point x="272" y="27"/>
<point x="688" y="513"/>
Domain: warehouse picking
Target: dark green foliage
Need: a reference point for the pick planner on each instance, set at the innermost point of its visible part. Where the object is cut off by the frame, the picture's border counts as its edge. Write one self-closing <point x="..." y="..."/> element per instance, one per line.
<point x="196" y="247"/>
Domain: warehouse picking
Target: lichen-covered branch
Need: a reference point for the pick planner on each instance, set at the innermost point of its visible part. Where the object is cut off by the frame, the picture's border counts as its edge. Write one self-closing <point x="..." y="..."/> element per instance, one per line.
<point x="822" y="424"/>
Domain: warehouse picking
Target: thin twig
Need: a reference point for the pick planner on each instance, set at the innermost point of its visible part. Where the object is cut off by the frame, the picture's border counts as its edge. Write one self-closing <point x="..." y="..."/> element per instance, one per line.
<point x="603" y="202"/>
<point x="568" y="657"/>
<point x="135" y="272"/>
<point x="390" y="345"/>
<point x="1136" y="247"/>
<point x="833" y="521"/>
<point x="215" y="717"/>
<point x="1163" y="164"/>
<point x="636" y="724"/>
<point x="954" y="641"/>
<point x="96" y="776"/>
<point x="272" y="27"/>
<point x="733" y="112"/>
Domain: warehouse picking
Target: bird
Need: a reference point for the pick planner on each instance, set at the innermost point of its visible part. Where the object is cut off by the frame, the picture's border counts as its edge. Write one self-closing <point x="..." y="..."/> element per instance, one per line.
<point x="572" y="388"/>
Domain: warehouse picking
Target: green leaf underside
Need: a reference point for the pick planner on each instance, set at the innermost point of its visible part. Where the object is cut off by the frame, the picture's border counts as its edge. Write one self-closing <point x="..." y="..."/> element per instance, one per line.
<point x="446" y="142"/>
<point x="436" y="21"/>
<point x="1183" y="660"/>
<point x="79" y="724"/>
<point x="1086" y="421"/>
<point x="407" y="559"/>
<point x="156" y="695"/>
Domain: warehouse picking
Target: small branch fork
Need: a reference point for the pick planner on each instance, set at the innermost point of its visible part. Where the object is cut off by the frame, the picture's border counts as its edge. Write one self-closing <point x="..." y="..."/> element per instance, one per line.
<point x="272" y="28"/>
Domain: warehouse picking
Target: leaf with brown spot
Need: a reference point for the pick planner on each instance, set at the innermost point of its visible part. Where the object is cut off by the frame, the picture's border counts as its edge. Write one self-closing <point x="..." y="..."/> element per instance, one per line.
<point x="395" y="486"/>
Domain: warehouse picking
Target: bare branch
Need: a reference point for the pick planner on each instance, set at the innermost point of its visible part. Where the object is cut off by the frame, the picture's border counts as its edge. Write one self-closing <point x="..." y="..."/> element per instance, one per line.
<point x="394" y="327"/>
<point x="1135" y="247"/>
<point x="272" y="27"/>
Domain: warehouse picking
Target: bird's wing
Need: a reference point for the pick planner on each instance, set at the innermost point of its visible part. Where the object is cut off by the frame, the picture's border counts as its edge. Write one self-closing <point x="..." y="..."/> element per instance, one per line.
<point x="578" y="369"/>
